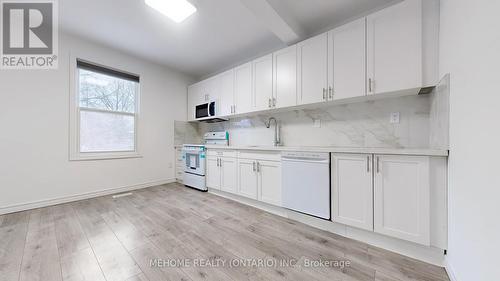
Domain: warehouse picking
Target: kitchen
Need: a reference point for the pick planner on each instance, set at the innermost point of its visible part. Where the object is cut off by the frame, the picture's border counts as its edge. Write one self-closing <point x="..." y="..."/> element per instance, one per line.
<point x="335" y="131"/>
<point x="249" y="140"/>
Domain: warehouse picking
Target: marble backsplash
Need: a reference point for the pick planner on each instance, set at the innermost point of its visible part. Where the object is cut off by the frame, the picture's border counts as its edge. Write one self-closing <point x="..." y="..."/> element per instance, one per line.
<point x="185" y="132"/>
<point x="363" y="124"/>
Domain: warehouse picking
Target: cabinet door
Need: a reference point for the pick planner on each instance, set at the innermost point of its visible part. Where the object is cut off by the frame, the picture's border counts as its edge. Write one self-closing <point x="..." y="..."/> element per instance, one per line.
<point x="243" y="88"/>
<point x="269" y="176"/>
<point x="213" y="173"/>
<point x="212" y="88"/>
<point x="229" y="174"/>
<point x="312" y="69"/>
<point x="226" y="93"/>
<point x="347" y="45"/>
<point x="247" y="178"/>
<point x="285" y="77"/>
<point x="194" y="98"/>
<point x="394" y="48"/>
<point x="263" y="82"/>
<point x="352" y="194"/>
<point x="401" y="197"/>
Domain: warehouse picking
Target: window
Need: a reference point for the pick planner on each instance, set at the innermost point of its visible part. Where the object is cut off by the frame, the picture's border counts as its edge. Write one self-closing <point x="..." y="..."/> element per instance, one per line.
<point x="106" y="113"/>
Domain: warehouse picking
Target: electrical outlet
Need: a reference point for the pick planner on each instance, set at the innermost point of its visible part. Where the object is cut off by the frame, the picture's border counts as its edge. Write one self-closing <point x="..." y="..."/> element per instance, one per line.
<point x="317" y="123"/>
<point x="395" y="118"/>
<point x="169" y="164"/>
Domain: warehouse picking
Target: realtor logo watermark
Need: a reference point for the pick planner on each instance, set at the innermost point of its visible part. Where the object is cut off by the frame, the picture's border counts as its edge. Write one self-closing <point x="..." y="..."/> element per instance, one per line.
<point x="29" y="34"/>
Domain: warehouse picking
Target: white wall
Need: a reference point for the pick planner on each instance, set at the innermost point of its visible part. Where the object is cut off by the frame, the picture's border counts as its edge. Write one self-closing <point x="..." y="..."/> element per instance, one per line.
<point x="34" y="130"/>
<point x="470" y="52"/>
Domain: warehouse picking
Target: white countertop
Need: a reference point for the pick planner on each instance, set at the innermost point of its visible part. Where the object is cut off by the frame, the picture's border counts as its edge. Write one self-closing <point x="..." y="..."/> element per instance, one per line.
<point x="368" y="150"/>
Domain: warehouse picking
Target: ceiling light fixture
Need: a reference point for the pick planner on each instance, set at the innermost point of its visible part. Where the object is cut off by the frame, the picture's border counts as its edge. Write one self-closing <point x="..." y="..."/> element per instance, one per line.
<point x="177" y="10"/>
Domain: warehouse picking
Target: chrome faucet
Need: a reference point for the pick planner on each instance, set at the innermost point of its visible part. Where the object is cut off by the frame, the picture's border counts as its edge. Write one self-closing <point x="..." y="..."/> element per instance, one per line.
<point x="277" y="139"/>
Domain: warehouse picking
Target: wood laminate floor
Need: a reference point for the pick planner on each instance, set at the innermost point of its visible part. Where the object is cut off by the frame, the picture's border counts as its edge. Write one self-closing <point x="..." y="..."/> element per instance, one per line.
<point x="198" y="236"/>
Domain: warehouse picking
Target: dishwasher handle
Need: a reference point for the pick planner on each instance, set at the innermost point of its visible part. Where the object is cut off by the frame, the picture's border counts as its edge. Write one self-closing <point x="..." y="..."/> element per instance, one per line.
<point x="305" y="159"/>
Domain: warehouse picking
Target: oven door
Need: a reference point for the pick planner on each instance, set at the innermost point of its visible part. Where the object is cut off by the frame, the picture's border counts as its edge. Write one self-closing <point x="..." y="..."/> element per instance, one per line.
<point x="194" y="162"/>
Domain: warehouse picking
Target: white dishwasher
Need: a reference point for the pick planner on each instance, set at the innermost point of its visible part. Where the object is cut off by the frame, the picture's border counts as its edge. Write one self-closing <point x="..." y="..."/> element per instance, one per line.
<point x="306" y="183"/>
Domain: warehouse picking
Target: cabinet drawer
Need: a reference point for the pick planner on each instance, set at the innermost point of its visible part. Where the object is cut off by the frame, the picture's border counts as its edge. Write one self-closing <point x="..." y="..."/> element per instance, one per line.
<point x="221" y="153"/>
<point x="260" y="155"/>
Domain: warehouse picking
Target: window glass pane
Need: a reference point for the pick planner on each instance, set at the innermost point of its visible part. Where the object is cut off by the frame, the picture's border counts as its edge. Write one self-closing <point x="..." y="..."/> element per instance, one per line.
<point x="103" y="131"/>
<point x="101" y="91"/>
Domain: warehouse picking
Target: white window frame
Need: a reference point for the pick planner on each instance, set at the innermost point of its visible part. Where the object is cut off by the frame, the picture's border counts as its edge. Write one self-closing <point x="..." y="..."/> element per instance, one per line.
<point x="74" y="127"/>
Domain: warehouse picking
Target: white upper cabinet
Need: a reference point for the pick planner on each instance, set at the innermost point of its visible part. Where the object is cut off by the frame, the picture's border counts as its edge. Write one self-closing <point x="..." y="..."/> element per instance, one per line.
<point x="401" y="197"/>
<point x="347" y="61"/>
<point x="394" y="48"/>
<point x="285" y="77"/>
<point x="195" y="97"/>
<point x="243" y="88"/>
<point x="226" y="93"/>
<point x="211" y="89"/>
<point x="312" y="68"/>
<point x="352" y="190"/>
<point x="262" y="83"/>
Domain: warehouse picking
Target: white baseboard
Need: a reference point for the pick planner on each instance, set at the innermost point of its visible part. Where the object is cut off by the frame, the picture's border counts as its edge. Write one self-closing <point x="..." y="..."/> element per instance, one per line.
<point x="430" y="255"/>
<point x="82" y="196"/>
<point x="449" y="270"/>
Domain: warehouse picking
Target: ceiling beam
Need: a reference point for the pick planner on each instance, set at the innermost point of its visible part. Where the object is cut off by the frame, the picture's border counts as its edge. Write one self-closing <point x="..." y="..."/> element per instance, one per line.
<point x="287" y="30"/>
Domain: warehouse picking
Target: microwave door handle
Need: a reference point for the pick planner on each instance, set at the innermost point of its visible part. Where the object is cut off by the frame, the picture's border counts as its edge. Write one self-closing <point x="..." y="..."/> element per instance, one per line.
<point x="211" y="109"/>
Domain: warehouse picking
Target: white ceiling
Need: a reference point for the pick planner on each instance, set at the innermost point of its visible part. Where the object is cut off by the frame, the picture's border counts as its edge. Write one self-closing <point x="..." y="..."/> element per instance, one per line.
<point x="220" y="35"/>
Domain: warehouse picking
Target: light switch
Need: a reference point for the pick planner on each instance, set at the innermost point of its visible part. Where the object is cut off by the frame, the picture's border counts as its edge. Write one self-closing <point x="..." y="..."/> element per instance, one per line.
<point x="317" y="123"/>
<point x="395" y="118"/>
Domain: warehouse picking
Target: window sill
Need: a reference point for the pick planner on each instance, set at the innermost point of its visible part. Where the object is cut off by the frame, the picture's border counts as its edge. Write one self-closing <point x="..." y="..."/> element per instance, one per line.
<point x="104" y="156"/>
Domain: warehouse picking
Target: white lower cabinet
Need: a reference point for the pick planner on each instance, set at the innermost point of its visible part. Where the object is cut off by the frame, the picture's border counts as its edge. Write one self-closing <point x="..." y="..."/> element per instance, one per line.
<point x="401" y="197"/>
<point x="229" y="174"/>
<point x="213" y="173"/>
<point x="222" y="173"/>
<point x="260" y="180"/>
<point x="269" y="182"/>
<point x="352" y="190"/>
<point x="247" y="178"/>
<point x="388" y="194"/>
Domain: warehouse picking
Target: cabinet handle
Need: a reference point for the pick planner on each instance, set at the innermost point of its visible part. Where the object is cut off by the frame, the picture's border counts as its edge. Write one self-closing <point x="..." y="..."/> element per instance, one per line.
<point x="324" y="94"/>
<point x="330" y="91"/>
<point x="378" y="165"/>
<point x="220" y="162"/>
<point x="274" y="102"/>
<point x="258" y="167"/>
<point x="253" y="166"/>
<point x="368" y="164"/>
